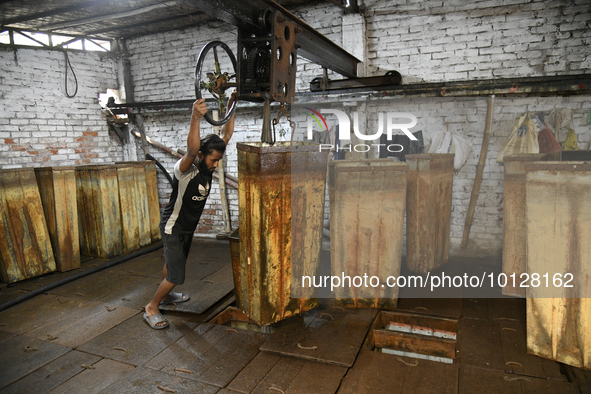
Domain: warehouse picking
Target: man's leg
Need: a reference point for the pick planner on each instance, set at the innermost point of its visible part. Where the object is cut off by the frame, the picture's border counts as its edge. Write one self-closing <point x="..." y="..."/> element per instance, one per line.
<point x="164" y="273"/>
<point x="175" y="256"/>
<point x="162" y="292"/>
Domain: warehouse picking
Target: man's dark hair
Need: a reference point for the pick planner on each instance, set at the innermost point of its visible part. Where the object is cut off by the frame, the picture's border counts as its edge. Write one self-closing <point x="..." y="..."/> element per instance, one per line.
<point x="212" y="142"/>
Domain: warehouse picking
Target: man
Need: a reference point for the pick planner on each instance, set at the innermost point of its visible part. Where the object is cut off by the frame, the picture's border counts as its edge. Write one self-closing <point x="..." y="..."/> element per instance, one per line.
<point x="191" y="184"/>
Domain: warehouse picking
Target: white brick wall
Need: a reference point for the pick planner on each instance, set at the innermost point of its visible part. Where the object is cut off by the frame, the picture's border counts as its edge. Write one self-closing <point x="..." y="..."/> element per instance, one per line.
<point x="39" y="125"/>
<point x="426" y="41"/>
<point x="477" y="39"/>
<point x="467" y="117"/>
<point x="163" y="65"/>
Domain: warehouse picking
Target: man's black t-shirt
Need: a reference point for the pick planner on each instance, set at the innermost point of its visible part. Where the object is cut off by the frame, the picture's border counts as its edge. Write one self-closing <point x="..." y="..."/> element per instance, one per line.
<point x="189" y="194"/>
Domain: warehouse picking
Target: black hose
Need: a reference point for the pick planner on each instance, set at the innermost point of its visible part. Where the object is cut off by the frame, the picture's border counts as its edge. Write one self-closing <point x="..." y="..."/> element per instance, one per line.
<point x="61" y="282"/>
<point x="150" y="157"/>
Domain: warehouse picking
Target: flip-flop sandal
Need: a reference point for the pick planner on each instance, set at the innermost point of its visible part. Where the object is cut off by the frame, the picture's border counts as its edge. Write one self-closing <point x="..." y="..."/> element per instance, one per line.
<point x="154" y="320"/>
<point x="175" y="298"/>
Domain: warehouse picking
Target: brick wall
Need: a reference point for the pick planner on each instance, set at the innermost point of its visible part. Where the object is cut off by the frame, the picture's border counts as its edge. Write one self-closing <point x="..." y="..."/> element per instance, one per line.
<point x="459" y="40"/>
<point x="465" y="116"/>
<point x="427" y="41"/>
<point x="39" y="125"/>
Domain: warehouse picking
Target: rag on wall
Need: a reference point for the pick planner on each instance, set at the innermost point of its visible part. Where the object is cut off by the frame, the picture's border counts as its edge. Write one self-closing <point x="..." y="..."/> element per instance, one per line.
<point x="547" y="142"/>
<point x="522" y="139"/>
<point x="560" y="121"/>
<point x="331" y="137"/>
<point x="450" y="142"/>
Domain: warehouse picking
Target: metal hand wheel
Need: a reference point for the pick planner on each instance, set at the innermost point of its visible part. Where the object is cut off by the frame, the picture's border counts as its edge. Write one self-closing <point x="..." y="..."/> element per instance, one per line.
<point x="211" y="83"/>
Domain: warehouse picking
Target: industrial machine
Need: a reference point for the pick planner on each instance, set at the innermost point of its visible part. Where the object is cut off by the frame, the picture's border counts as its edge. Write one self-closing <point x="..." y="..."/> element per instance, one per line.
<point x="270" y="39"/>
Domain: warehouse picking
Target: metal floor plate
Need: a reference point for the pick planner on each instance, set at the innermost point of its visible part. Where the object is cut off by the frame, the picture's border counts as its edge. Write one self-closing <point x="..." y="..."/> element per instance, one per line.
<point x="331" y="335"/>
<point x="133" y="342"/>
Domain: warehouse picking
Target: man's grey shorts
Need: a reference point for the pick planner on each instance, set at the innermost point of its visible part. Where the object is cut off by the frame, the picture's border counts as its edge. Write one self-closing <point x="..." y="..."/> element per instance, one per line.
<point x="176" y="251"/>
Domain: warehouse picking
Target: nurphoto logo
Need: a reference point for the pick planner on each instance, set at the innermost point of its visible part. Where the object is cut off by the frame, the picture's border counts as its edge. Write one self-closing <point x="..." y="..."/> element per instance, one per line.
<point x="392" y="126"/>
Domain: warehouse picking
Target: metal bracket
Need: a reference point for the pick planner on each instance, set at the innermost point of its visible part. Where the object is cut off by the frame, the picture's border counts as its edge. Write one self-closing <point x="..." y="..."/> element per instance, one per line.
<point x="392" y="78"/>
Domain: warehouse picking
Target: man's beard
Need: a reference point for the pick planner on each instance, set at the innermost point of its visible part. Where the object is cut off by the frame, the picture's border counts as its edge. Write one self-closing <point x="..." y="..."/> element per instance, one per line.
<point x="203" y="167"/>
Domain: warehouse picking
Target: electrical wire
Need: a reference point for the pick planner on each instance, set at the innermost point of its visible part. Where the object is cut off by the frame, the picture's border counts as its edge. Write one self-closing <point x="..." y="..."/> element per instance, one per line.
<point x="66" y="76"/>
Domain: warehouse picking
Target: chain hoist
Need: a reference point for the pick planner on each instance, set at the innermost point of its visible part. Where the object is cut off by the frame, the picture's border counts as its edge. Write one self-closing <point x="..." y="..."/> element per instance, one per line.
<point x="283" y="110"/>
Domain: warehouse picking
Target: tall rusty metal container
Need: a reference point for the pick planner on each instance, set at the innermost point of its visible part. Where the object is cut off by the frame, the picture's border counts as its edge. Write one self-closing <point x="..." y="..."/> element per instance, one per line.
<point x="428" y="210"/>
<point x="99" y="212"/>
<point x="57" y="187"/>
<point x="514" y="240"/>
<point x="281" y="201"/>
<point x="25" y="245"/>
<point x="234" y="240"/>
<point x="135" y="210"/>
<point x="367" y="202"/>
<point x="558" y="224"/>
<point x="153" y="199"/>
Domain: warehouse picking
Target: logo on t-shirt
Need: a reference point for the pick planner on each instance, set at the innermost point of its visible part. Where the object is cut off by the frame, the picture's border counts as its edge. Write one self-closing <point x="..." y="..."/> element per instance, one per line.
<point x="203" y="191"/>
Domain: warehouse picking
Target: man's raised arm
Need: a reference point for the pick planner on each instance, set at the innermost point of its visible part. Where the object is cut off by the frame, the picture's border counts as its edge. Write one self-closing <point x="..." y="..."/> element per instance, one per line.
<point x="228" y="128"/>
<point x="194" y="137"/>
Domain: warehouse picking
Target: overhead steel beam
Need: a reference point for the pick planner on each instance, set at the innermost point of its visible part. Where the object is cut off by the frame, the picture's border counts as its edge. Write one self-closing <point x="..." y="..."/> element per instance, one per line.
<point x="392" y="78"/>
<point x="566" y="85"/>
<point x="312" y="45"/>
<point x="552" y="86"/>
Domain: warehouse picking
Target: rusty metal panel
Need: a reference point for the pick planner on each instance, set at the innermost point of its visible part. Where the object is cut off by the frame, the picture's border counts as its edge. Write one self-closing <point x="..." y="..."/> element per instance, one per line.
<point x="25" y="246"/>
<point x="133" y="200"/>
<point x="128" y="200"/>
<point x="234" y="240"/>
<point x="367" y="203"/>
<point x="574" y="155"/>
<point x="153" y="199"/>
<point x="558" y="225"/>
<point x="280" y="227"/>
<point x="428" y="210"/>
<point x="57" y="187"/>
<point x="99" y="213"/>
<point x="514" y="245"/>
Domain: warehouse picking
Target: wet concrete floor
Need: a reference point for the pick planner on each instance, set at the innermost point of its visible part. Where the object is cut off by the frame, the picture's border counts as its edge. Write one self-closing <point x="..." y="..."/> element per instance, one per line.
<point x="88" y="336"/>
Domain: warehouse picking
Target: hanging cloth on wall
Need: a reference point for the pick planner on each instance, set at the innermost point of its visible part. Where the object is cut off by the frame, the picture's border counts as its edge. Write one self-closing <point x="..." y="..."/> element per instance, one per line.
<point x="547" y="142"/>
<point x="329" y="137"/>
<point x="522" y="139"/>
<point x="571" y="141"/>
<point x="461" y="148"/>
<point x="450" y="142"/>
<point x="561" y="123"/>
